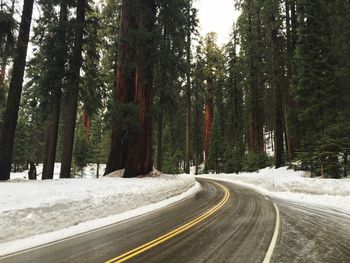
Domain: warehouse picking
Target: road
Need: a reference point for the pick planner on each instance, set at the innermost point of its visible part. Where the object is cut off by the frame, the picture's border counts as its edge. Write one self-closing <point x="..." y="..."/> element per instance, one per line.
<point x="312" y="234"/>
<point x="221" y="223"/>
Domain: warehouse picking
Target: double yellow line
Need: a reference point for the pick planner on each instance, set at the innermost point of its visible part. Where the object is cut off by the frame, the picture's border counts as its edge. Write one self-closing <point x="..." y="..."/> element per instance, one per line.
<point x="159" y="240"/>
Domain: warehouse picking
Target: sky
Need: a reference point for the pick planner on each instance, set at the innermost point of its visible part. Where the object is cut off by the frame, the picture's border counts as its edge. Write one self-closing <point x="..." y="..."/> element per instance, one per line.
<point x="217" y="16"/>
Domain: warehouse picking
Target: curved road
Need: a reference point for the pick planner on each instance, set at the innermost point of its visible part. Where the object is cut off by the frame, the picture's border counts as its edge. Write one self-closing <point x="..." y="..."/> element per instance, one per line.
<point x="240" y="230"/>
<point x="221" y="223"/>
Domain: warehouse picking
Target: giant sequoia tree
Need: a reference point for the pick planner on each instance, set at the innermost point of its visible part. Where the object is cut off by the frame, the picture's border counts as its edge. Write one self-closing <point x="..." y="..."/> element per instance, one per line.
<point x="131" y="147"/>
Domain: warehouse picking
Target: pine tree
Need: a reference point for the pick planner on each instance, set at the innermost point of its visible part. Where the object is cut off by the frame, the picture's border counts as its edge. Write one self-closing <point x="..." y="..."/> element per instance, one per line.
<point x="55" y="54"/>
<point x="254" y="54"/>
<point x="249" y="26"/>
<point x="175" y="25"/>
<point x="291" y="119"/>
<point x="235" y="108"/>
<point x="274" y="25"/>
<point x="315" y="91"/>
<point x="9" y="122"/>
<point x="73" y="91"/>
<point x="197" y="107"/>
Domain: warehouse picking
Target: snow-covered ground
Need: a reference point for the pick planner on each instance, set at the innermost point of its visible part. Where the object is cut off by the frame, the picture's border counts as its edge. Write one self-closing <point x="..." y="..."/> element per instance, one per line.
<point x="90" y="171"/>
<point x="29" y="208"/>
<point x="38" y="212"/>
<point x="294" y="186"/>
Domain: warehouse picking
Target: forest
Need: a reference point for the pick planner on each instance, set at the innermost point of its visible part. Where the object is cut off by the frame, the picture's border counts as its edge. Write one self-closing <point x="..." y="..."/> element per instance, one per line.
<point x="133" y="85"/>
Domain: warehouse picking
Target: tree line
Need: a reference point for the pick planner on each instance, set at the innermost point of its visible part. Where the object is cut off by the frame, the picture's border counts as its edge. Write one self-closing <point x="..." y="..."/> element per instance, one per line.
<point x="133" y="85"/>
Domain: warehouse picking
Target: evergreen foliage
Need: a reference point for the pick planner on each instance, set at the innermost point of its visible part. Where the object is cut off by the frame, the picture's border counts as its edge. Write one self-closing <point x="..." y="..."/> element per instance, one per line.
<point x="277" y="93"/>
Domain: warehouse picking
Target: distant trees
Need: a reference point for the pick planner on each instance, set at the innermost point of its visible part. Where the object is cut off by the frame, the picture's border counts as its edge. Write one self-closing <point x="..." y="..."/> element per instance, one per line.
<point x="296" y="71"/>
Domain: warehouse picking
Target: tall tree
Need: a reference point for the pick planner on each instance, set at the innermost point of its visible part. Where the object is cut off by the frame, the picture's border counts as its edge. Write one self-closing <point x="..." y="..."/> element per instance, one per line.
<point x="188" y="92"/>
<point x="315" y="91"/>
<point x="253" y="52"/>
<point x="134" y="86"/>
<point x="235" y="107"/>
<point x="73" y="91"/>
<point x="274" y="24"/>
<point x="197" y="108"/>
<point x="54" y="79"/>
<point x="291" y="120"/>
<point x="9" y="122"/>
<point x="212" y="54"/>
<point x="175" y="25"/>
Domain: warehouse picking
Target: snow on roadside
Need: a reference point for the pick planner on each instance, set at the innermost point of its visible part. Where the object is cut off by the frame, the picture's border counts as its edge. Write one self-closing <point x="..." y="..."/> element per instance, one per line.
<point x="88" y="172"/>
<point x="30" y="208"/>
<point x="294" y="186"/>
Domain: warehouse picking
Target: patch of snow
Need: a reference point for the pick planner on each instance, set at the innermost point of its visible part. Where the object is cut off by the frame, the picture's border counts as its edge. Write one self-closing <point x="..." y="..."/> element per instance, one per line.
<point x="294" y="186"/>
<point x="30" y="208"/>
<point x="89" y="171"/>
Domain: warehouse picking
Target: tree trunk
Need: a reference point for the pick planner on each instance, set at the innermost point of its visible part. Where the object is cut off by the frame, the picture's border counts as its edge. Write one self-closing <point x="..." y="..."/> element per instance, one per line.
<point x="139" y="159"/>
<point x="345" y="164"/>
<point x="50" y="146"/>
<point x="32" y="171"/>
<point x="292" y="140"/>
<point x="8" y="126"/>
<point x="258" y="107"/>
<point x="73" y="93"/>
<point x="188" y="98"/>
<point x="132" y="150"/>
<point x="277" y="96"/>
<point x="209" y="115"/>
<point x="54" y="116"/>
<point x="256" y="85"/>
<point x="124" y="86"/>
<point x="159" y="141"/>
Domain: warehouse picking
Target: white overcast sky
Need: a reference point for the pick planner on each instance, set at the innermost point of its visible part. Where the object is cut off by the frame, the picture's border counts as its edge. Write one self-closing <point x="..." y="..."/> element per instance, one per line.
<point x="216" y="16"/>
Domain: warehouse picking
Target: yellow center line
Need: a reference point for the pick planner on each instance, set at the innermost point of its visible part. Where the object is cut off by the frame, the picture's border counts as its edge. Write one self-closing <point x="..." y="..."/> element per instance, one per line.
<point x="136" y="251"/>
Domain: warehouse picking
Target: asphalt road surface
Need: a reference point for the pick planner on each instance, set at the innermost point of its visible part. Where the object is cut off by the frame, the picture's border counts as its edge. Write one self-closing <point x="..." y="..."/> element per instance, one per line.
<point x="221" y="223"/>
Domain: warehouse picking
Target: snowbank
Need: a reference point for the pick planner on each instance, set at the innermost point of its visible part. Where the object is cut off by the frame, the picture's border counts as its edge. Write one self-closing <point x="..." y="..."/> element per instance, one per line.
<point x="293" y="185"/>
<point x="34" y="207"/>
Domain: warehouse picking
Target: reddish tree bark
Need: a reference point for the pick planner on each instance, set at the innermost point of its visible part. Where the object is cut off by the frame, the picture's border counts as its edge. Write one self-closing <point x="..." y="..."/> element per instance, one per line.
<point x="134" y="84"/>
<point x="124" y="86"/>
